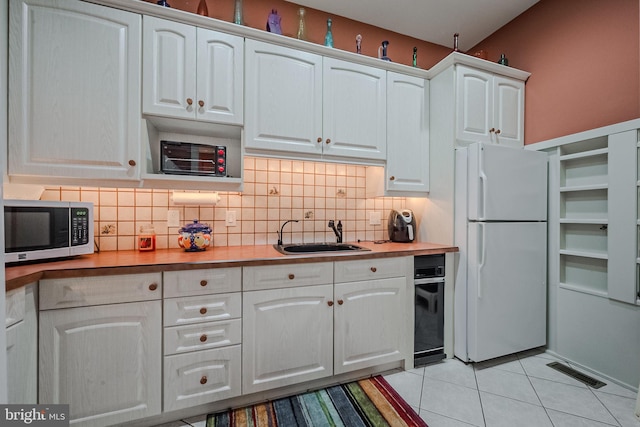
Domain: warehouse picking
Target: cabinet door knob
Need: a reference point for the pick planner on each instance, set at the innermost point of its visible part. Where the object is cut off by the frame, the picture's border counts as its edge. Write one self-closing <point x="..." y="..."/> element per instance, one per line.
<point x="203" y="283"/>
<point x="330" y="303"/>
<point x="340" y="302"/>
<point x="292" y="276"/>
<point x="392" y="178"/>
<point x="492" y="130"/>
<point x="189" y="101"/>
<point x="319" y="139"/>
<point x="203" y="338"/>
<point x="328" y="141"/>
<point x="203" y="380"/>
<point x="201" y="103"/>
<point x="132" y="162"/>
<point x="497" y="131"/>
<point x="153" y="286"/>
<point x="203" y="310"/>
<point x="373" y="269"/>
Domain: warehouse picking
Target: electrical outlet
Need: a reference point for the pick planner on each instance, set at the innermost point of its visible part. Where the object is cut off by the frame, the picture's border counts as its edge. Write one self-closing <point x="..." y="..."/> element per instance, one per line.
<point x="173" y="218"/>
<point x="374" y="218"/>
<point x="231" y="219"/>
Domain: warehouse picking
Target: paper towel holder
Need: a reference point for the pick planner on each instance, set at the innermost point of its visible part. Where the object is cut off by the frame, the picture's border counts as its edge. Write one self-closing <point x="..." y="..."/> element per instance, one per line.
<point x="193" y="198"/>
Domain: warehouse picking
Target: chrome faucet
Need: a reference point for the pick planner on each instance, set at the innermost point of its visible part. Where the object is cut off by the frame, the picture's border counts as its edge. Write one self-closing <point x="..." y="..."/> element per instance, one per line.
<point x="337" y="231"/>
<point x="282" y="228"/>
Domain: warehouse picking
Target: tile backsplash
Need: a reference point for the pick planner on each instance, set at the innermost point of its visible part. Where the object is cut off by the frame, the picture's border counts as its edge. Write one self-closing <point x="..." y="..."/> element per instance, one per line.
<point x="274" y="191"/>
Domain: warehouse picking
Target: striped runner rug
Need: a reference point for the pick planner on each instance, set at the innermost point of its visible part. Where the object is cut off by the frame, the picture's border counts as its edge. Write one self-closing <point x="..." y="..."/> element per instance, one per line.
<point x="371" y="402"/>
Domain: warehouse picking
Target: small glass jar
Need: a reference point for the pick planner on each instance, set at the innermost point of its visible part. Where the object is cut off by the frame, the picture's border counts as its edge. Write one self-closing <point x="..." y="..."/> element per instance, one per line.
<point x="147" y="238"/>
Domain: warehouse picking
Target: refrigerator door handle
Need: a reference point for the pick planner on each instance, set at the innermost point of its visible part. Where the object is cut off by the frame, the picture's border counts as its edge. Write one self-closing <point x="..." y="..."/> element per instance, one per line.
<point x="482" y="190"/>
<point x="481" y="256"/>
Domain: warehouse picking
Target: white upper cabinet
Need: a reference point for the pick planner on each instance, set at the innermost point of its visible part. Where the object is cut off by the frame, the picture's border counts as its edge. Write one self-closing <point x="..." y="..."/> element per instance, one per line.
<point x="285" y="89"/>
<point x="354" y="107"/>
<point x="304" y="104"/>
<point x="192" y="73"/>
<point x="74" y="94"/>
<point x="407" y="134"/>
<point x="489" y="108"/>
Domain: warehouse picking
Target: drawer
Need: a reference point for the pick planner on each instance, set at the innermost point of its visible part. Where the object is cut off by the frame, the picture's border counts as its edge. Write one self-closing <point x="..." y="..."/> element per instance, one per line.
<point x="14" y="306"/>
<point x="207" y="308"/>
<point x="200" y="377"/>
<point x="95" y="290"/>
<point x="375" y="268"/>
<point x="202" y="282"/>
<point x="202" y="336"/>
<point x="286" y="276"/>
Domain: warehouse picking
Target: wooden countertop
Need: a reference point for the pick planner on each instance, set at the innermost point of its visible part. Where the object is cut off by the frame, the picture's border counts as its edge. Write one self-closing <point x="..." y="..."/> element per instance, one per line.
<point x="132" y="262"/>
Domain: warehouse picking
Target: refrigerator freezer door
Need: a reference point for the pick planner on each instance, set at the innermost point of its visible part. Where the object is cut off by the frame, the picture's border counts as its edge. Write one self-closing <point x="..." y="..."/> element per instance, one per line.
<point x="506" y="288"/>
<point x="506" y="184"/>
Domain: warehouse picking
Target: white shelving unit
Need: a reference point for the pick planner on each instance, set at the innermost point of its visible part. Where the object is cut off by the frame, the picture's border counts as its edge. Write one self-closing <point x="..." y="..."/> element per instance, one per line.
<point x="583" y="218"/>
<point x="593" y="249"/>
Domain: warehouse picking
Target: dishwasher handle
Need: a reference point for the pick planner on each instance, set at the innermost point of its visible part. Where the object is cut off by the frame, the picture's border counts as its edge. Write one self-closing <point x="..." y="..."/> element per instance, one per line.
<point x="428" y="280"/>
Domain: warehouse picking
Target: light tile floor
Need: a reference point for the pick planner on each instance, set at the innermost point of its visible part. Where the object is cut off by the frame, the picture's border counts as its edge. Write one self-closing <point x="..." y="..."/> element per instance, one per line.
<point x="518" y="390"/>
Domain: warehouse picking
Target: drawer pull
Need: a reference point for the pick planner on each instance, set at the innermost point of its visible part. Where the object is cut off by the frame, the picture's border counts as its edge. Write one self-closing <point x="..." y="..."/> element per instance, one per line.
<point x="373" y="269"/>
<point x="203" y="283"/>
<point x="292" y="276"/>
<point x="340" y="302"/>
<point x="153" y="286"/>
<point x="203" y="338"/>
<point x="203" y="380"/>
<point x="203" y="310"/>
<point x="330" y="303"/>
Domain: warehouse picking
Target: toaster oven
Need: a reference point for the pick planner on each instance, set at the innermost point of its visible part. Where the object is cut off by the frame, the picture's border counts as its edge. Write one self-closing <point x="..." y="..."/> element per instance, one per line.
<point x="185" y="158"/>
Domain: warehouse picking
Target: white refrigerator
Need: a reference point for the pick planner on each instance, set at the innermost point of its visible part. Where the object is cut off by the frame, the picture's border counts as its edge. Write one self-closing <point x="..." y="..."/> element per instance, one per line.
<point x="501" y="230"/>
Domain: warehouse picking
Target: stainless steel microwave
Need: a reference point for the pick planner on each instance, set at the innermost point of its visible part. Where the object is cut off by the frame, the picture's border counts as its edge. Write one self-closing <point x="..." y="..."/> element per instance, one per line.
<point x="37" y="229"/>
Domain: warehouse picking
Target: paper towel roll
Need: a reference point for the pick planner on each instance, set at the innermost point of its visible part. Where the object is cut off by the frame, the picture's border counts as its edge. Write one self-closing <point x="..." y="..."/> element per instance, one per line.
<point x="180" y="198"/>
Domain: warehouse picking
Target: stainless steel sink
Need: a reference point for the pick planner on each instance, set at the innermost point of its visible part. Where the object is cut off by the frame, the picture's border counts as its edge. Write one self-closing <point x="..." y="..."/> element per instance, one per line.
<point x="309" y="248"/>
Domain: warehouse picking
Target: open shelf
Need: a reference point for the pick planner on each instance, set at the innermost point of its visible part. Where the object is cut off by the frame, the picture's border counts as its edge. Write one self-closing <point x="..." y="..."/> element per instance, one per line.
<point x="584" y="205"/>
<point x="587" y="240"/>
<point x="585" y="273"/>
<point x="593" y="145"/>
<point x="584" y="169"/>
<point x="168" y="129"/>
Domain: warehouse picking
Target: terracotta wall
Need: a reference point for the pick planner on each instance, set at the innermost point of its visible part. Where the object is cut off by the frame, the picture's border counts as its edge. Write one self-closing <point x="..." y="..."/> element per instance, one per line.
<point x="344" y="30"/>
<point x="584" y="60"/>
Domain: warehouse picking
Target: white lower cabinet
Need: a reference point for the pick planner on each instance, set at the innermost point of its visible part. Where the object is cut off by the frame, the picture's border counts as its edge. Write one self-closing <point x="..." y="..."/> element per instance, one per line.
<point x="22" y="345"/>
<point x="288" y="335"/>
<point x="372" y="323"/>
<point x="201" y="377"/>
<point x="369" y="323"/>
<point x="104" y="361"/>
<point x="202" y="336"/>
<point x="318" y="328"/>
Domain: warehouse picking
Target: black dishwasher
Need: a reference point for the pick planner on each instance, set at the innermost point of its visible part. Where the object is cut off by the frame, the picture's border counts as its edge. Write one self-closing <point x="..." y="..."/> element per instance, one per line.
<point x="428" y="274"/>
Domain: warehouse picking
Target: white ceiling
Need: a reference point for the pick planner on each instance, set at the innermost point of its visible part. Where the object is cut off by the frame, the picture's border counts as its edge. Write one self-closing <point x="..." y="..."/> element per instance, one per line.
<point x="434" y="21"/>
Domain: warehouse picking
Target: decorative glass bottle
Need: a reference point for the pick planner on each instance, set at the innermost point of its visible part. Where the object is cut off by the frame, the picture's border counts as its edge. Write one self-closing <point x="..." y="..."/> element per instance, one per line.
<point x="328" y="38"/>
<point x="202" y="8"/>
<point x="302" y="27"/>
<point x="237" y="13"/>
